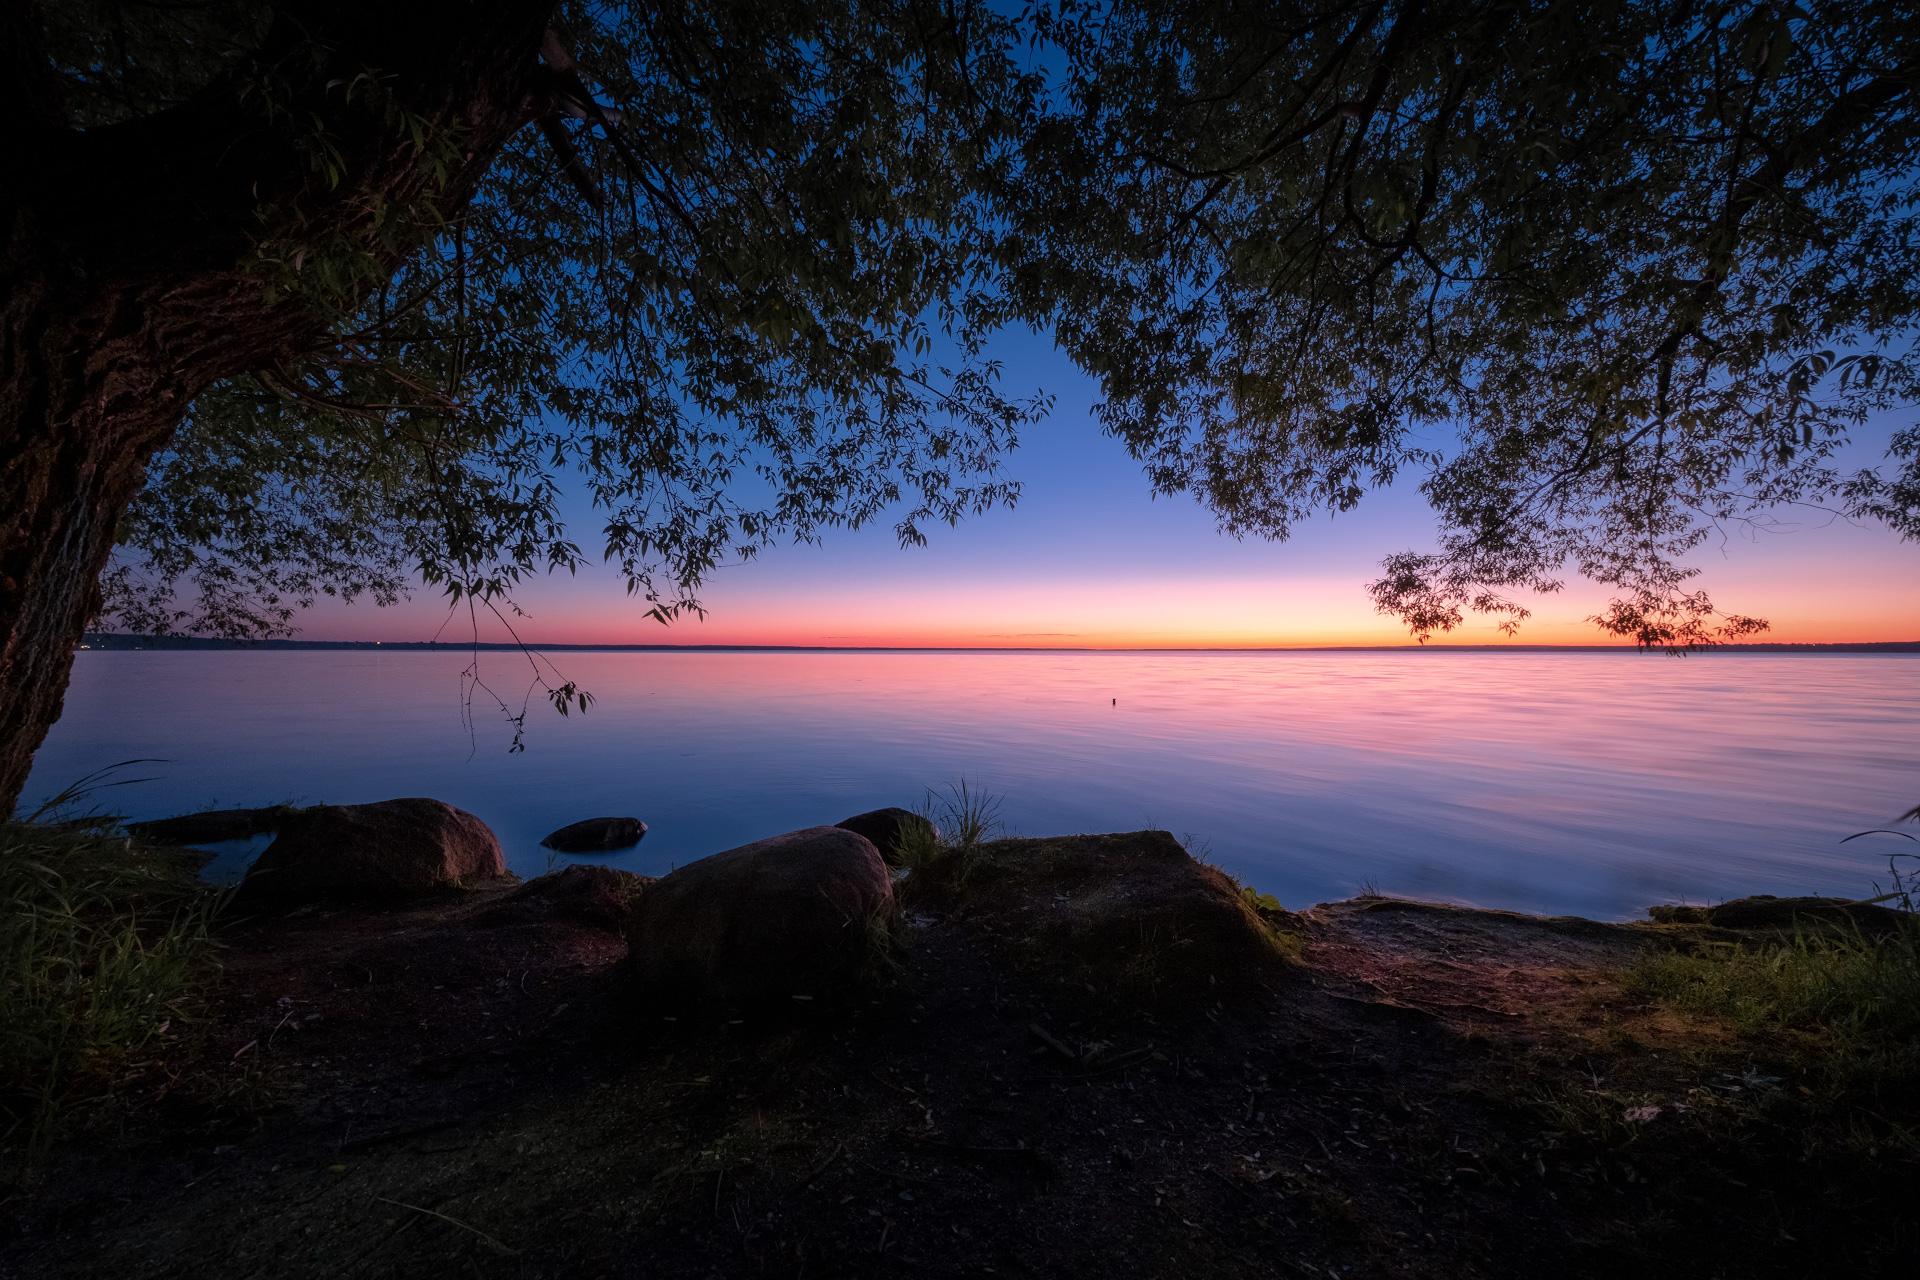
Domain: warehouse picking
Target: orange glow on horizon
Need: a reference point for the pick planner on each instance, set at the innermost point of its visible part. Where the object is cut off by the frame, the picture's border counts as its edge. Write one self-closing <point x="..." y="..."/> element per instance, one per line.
<point x="1138" y="614"/>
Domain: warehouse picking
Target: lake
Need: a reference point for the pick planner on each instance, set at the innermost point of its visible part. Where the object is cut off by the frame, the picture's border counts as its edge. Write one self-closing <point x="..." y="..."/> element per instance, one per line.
<point x="1594" y="783"/>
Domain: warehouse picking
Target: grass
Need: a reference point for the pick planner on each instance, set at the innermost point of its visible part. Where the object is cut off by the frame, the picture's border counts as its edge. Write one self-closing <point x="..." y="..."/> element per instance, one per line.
<point x="965" y="816"/>
<point x="1807" y="1043"/>
<point x="1288" y="942"/>
<point x="1771" y="1081"/>
<point x="103" y="942"/>
<point x="1846" y="1001"/>
<point x="1851" y="985"/>
<point x="1274" y="918"/>
<point x="918" y="845"/>
<point x="884" y="946"/>
<point x="957" y="822"/>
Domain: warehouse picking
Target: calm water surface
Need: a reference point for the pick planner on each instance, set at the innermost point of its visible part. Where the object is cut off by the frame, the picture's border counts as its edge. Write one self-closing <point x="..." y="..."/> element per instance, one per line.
<point x="1592" y="783"/>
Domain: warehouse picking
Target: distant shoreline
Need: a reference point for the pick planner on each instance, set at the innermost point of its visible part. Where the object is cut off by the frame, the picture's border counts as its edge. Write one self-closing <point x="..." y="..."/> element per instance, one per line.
<point x="117" y="642"/>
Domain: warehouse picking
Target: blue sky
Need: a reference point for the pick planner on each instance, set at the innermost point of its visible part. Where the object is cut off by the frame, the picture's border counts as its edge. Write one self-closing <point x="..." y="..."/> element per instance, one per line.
<point x="1090" y="558"/>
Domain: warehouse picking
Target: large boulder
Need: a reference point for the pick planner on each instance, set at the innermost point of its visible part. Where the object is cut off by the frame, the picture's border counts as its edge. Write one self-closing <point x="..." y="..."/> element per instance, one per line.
<point x="394" y="849"/>
<point x="598" y="897"/>
<point x="1130" y="914"/>
<point x="889" y="830"/>
<point x="597" y="835"/>
<point x="802" y="914"/>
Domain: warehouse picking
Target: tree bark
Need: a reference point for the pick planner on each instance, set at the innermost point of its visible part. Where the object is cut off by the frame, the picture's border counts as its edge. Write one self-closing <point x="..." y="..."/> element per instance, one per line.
<point x="92" y="382"/>
<point x="129" y="282"/>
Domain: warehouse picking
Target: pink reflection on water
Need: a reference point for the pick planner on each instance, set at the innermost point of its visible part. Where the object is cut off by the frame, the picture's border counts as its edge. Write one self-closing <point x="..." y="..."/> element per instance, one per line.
<point x="1586" y="782"/>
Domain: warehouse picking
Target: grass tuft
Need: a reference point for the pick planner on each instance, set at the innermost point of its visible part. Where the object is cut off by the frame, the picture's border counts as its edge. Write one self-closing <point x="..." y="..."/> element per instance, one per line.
<point x="1852" y="1000"/>
<point x="966" y="815"/>
<point x="917" y="845"/>
<point x="885" y="942"/>
<point x="102" y="944"/>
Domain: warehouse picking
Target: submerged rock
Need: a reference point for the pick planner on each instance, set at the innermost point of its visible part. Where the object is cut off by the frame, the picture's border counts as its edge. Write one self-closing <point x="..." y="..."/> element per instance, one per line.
<point x="888" y="829"/>
<point x="801" y="914"/>
<point x="600" y="897"/>
<point x="215" y="826"/>
<point x="1764" y="911"/>
<point x="597" y="835"/>
<point x="1133" y="913"/>
<point x="389" y="850"/>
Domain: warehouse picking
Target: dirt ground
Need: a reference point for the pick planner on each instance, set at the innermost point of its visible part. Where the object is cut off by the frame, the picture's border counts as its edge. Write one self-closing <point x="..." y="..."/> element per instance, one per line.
<point x="449" y="1089"/>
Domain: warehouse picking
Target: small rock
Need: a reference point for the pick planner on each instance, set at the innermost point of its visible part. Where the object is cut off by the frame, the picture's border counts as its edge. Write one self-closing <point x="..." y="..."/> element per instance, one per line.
<point x="388" y="850"/>
<point x="597" y="835"/>
<point x="790" y="916"/>
<point x="888" y="829"/>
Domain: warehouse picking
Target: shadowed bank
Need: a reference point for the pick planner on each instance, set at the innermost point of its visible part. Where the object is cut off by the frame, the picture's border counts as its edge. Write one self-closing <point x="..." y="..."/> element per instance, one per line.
<point x="1094" y="1055"/>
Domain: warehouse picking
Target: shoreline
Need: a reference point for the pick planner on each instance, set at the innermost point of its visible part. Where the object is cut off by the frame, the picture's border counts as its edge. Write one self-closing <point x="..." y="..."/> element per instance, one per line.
<point x="1408" y="1089"/>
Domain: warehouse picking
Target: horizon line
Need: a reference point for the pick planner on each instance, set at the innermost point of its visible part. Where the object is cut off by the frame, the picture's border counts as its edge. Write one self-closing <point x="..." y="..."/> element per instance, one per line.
<point x="112" y="641"/>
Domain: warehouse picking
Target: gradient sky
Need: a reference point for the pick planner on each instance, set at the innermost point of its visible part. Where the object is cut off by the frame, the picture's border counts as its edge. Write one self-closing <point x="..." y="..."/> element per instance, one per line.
<point x="1089" y="559"/>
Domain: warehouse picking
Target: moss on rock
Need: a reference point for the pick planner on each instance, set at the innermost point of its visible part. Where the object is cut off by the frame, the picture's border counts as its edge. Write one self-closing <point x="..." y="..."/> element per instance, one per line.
<point x="1132" y="911"/>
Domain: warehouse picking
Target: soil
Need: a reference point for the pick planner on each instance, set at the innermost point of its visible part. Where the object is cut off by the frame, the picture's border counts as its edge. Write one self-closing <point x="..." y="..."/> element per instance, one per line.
<point x="454" y="1088"/>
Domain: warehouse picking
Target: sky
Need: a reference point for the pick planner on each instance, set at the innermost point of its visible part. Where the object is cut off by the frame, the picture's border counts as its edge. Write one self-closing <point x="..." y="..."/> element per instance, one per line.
<point x="1089" y="559"/>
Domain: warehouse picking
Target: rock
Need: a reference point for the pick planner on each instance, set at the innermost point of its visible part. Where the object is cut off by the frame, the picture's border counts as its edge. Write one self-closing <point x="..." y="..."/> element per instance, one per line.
<point x="389" y="850"/>
<point x="887" y="829"/>
<point x="800" y="914"/>
<point x="214" y="826"/>
<point x="600" y="897"/>
<point x="1133" y="913"/>
<point x="597" y="835"/>
<point x="1764" y="911"/>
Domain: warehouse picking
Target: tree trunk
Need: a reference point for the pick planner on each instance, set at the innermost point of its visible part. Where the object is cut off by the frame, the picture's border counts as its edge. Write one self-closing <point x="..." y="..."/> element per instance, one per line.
<point x="129" y="277"/>
<point x="93" y="380"/>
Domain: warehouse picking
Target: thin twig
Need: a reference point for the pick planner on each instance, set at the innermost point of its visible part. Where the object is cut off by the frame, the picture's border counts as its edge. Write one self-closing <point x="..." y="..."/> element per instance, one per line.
<point x="824" y="1164"/>
<point x="1053" y="1042"/>
<point x="512" y="1253"/>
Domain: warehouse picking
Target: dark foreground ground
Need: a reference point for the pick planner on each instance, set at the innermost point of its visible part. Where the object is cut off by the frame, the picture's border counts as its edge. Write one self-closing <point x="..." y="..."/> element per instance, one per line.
<point x="453" y="1089"/>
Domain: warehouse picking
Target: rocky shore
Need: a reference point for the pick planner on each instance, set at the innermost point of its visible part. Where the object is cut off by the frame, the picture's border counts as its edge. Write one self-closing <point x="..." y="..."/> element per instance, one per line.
<point x="1082" y="1055"/>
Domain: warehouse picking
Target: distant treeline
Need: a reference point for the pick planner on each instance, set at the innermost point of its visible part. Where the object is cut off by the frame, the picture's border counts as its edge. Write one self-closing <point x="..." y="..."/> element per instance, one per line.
<point x="117" y="641"/>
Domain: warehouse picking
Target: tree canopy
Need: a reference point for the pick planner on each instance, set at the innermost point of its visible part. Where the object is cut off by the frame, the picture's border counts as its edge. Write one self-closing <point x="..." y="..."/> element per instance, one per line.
<point x="733" y="288"/>
<point x="1603" y="276"/>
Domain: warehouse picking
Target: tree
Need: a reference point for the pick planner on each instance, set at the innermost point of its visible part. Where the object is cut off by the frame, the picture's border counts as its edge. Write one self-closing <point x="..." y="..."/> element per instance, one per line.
<point x="1610" y="275"/>
<point x="306" y="260"/>
<point x="1607" y="274"/>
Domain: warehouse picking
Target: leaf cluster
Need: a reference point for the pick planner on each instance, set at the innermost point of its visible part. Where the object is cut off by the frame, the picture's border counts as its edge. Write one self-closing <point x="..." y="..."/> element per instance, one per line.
<point x="1610" y="276"/>
<point x="769" y="323"/>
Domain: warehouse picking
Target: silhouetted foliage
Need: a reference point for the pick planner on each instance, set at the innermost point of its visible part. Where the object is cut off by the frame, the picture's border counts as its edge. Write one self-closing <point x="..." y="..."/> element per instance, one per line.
<point x="1608" y="276"/>
<point x="295" y="282"/>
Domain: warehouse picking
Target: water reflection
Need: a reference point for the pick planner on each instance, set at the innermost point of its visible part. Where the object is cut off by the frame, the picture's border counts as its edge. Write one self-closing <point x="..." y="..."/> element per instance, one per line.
<point x="1593" y="783"/>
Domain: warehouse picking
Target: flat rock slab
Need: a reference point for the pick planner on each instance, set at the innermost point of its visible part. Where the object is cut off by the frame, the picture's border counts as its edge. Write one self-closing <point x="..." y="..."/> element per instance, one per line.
<point x="394" y="849"/>
<point x="1478" y="971"/>
<point x="1130" y="912"/>
<point x="215" y="826"/>
<point x="597" y="835"/>
<point x="1764" y="911"/>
